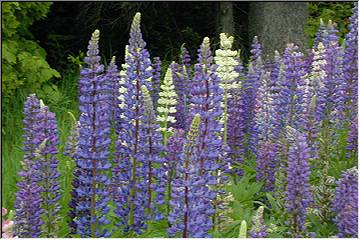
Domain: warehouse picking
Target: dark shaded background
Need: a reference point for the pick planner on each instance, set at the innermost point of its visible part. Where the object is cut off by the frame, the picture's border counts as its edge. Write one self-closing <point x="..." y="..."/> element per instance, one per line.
<point x="165" y="27"/>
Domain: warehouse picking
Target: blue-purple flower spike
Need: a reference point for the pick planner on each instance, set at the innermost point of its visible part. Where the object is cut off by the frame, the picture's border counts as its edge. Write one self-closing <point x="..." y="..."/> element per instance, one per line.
<point x="113" y="78"/>
<point x="92" y="188"/>
<point x="28" y="198"/>
<point x="298" y="195"/>
<point x="129" y="172"/>
<point x="47" y="169"/>
<point x="345" y="204"/>
<point x="191" y="211"/>
<point x="291" y="92"/>
<point x="351" y="63"/>
<point x="153" y="163"/>
<point x="206" y="97"/>
<point x="156" y="80"/>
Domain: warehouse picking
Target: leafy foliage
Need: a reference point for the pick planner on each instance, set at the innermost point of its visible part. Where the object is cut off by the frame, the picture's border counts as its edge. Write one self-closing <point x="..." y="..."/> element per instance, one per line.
<point x="23" y="59"/>
<point x="338" y="12"/>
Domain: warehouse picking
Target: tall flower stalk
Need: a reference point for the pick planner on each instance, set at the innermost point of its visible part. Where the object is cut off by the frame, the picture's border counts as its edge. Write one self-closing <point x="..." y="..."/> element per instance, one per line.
<point x="166" y="106"/>
<point x="28" y="201"/>
<point x="47" y="167"/>
<point x="93" y="147"/>
<point x="129" y="172"/>
<point x="298" y="196"/>
<point x="191" y="211"/>
<point x="153" y="162"/>
<point x="156" y="81"/>
<point x="345" y="204"/>
<point x="226" y="59"/>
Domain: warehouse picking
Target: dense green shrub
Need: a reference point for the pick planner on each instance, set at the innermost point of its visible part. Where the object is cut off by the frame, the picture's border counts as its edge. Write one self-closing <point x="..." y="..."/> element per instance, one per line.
<point x="23" y="60"/>
<point x="338" y="12"/>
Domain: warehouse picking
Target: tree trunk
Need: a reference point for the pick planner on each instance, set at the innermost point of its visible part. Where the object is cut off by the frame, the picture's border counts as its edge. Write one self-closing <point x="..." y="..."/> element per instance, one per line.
<point x="278" y="23"/>
<point x="226" y="18"/>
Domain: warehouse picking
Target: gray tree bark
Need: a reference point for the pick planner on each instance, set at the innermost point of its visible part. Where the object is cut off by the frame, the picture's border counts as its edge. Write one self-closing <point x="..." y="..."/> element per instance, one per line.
<point x="226" y="18"/>
<point x="278" y="23"/>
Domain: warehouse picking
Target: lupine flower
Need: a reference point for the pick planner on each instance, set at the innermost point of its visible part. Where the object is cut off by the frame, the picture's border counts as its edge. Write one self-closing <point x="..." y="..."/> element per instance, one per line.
<point x="112" y="74"/>
<point x="185" y="59"/>
<point x="156" y="80"/>
<point x="206" y="97"/>
<point x="298" y="196"/>
<point x="92" y="192"/>
<point x="258" y="228"/>
<point x="236" y="135"/>
<point x="352" y="142"/>
<point x="350" y="62"/>
<point x="314" y="83"/>
<point x="122" y="83"/>
<point x="47" y="167"/>
<point x="129" y="170"/>
<point x="291" y="92"/>
<point x="330" y="97"/>
<point x="153" y="162"/>
<point x="249" y="92"/>
<point x="166" y="106"/>
<point x="182" y="88"/>
<point x="345" y="204"/>
<point x="191" y="211"/>
<point x="266" y="162"/>
<point x="227" y="61"/>
<point x="173" y="156"/>
<point x="326" y="33"/>
<point x="28" y="197"/>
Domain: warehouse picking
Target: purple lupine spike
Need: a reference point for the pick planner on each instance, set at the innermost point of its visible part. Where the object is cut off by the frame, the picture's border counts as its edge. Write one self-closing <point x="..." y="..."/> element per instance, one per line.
<point x="185" y="59"/>
<point x="182" y="88"/>
<point x="191" y="211"/>
<point x="153" y="164"/>
<point x="352" y="140"/>
<point x="236" y="126"/>
<point x="351" y="63"/>
<point x="129" y="172"/>
<point x="92" y="184"/>
<point x="249" y="92"/>
<point x="173" y="156"/>
<point x="313" y="85"/>
<point x="236" y="134"/>
<point x="345" y="204"/>
<point x="47" y="169"/>
<point x="266" y="161"/>
<point x="28" y="202"/>
<point x="330" y="98"/>
<point x="264" y="135"/>
<point x="112" y="73"/>
<point x="206" y="97"/>
<point x="326" y="33"/>
<point x="140" y="54"/>
<point x="290" y="98"/>
<point x="298" y="196"/>
<point x="156" y="79"/>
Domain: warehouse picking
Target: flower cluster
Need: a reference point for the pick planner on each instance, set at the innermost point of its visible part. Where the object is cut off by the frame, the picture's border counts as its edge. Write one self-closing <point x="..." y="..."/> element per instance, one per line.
<point x="28" y="198"/>
<point x="93" y="146"/>
<point x="298" y="196"/>
<point x="166" y="105"/>
<point x="191" y="210"/>
<point x="160" y="153"/>
<point x="345" y="204"/>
